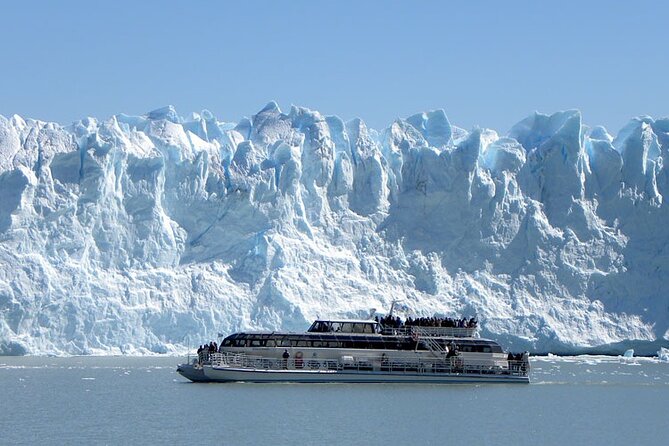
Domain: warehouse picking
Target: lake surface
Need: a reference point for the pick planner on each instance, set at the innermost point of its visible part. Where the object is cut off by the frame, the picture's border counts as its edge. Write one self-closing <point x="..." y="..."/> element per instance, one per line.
<point x="132" y="400"/>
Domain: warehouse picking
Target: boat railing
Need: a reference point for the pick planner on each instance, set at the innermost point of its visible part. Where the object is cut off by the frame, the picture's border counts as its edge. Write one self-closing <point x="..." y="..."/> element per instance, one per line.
<point x="413" y="330"/>
<point x="455" y="365"/>
<point x="262" y="362"/>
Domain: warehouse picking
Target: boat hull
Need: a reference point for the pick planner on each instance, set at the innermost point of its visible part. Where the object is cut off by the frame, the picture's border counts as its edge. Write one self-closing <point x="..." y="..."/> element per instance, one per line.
<point x="192" y="372"/>
<point x="208" y="373"/>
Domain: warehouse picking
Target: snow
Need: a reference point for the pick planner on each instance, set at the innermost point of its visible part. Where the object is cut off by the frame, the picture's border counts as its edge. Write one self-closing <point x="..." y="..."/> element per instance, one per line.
<point x="150" y="234"/>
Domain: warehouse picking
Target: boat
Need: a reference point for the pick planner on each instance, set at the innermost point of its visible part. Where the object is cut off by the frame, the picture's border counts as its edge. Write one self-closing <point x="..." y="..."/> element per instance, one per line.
<point x="359" y="351"/>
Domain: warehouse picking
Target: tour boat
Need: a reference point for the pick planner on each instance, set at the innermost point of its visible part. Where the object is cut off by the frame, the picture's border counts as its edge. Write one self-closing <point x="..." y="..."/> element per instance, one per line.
<point x="359" y="351"/>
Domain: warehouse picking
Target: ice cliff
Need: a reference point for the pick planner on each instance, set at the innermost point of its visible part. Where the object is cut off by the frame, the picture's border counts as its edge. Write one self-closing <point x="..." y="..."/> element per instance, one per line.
<point x="151" y="233"/>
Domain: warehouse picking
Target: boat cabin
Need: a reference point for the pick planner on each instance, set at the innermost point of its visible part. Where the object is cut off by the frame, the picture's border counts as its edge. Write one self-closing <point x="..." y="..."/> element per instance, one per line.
<point x="346" y="326"/>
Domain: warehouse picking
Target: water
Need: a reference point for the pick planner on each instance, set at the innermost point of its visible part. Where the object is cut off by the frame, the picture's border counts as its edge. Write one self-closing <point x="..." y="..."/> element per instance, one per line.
<point x="122" y="400"/>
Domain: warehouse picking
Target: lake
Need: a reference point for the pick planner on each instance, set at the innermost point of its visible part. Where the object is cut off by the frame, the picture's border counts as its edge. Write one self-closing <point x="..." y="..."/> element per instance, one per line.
<point x="131" y="400"/>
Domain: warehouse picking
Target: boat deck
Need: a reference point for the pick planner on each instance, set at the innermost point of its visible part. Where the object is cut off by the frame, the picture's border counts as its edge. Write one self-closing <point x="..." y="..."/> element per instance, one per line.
<point x="241" y="367"/>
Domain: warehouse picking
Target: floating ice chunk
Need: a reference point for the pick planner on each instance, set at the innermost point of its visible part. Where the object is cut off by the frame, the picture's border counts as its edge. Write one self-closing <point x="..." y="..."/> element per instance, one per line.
<point x="629" y="353"/>
<point x="663" y="354"/>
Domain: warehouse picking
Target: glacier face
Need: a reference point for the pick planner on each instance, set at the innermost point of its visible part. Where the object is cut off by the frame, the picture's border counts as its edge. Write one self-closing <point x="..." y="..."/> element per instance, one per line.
<point x="153" y="233"/>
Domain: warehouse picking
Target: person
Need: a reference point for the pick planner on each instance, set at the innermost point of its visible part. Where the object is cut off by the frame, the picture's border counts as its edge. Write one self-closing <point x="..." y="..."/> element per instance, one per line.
<point x="452" y="349"/>
<point x="285" y="355"/>
<point x="384" y="362"/>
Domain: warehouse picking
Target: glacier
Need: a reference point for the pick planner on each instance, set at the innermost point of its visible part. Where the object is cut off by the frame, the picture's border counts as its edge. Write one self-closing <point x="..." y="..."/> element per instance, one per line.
<point x="151" y="234"/>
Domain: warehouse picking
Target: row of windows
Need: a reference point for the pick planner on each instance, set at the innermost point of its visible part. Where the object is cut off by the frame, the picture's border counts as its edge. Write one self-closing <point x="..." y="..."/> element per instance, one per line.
<point x="478" y="348"/>
<point x="342" y="327"/>
<point x="377" y="343"/>
<point x="349" y="343"/>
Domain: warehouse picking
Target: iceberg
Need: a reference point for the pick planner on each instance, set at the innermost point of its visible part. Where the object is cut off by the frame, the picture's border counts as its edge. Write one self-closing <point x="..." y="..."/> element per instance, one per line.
<point x="153" y="233"/>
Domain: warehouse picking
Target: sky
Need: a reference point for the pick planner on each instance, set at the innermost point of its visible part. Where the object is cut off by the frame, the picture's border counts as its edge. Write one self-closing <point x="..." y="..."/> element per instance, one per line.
<point x="486" y="63"/>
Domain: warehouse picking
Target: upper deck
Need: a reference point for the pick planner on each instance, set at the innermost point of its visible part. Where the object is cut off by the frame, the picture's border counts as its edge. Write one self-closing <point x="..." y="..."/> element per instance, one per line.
<point x="345" y="326"/>
<point x="374" y="327"/>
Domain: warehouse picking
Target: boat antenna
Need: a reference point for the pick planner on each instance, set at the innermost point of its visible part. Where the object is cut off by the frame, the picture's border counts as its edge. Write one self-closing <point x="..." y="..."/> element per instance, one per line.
<point x="187" y="339"/>
<point x="392" y="307"/>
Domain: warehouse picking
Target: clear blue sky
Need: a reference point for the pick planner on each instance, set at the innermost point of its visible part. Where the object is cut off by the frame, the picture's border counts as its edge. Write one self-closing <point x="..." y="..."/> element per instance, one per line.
<point x="487" y="63"/>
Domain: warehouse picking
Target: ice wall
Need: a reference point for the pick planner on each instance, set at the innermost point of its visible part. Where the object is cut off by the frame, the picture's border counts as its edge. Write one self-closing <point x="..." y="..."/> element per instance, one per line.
<point x="152" y="233"/>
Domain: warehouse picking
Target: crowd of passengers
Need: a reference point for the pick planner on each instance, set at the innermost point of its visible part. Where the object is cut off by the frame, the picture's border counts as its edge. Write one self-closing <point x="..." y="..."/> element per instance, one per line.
<point x="396" y="322"/>
<point x="515" y="356"/>
<point x="212" y="347"/>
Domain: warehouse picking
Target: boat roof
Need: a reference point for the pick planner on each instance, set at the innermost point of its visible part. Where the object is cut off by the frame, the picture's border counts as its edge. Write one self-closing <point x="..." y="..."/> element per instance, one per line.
<point x="354" y="321"/>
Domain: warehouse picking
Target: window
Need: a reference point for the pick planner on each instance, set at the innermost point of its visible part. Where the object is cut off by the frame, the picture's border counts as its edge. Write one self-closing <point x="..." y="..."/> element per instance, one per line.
<point x="348" y="344"/>
<point x="377" y="344"/>
<point x="319" y="327"/>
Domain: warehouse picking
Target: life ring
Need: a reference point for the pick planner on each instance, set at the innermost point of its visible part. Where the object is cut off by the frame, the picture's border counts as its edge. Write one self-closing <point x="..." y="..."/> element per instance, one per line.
<point x="299" y="362"/>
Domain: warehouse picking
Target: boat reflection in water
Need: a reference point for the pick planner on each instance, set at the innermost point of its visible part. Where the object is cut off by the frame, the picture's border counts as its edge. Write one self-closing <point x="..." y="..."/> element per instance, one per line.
<point x="359" y="351"/>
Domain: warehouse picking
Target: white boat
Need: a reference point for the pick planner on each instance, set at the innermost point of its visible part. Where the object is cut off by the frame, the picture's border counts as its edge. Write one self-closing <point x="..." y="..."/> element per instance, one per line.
<point x="359" y="351"/>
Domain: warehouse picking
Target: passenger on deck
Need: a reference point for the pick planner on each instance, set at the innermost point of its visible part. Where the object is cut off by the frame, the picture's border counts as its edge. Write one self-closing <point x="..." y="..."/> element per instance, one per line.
<point x="389" y="321"/>
<point x="452" y="349"/>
